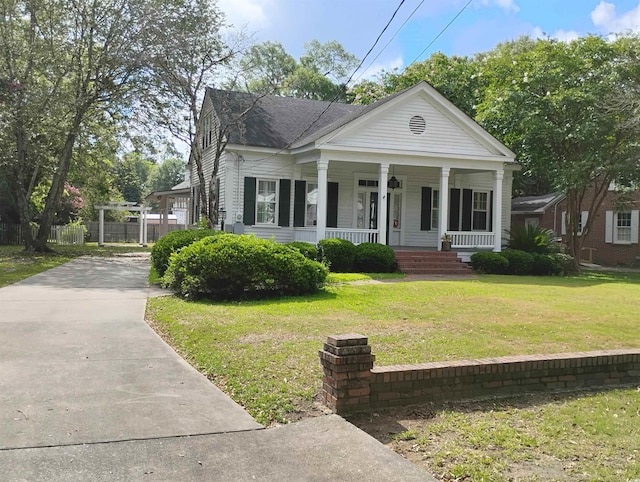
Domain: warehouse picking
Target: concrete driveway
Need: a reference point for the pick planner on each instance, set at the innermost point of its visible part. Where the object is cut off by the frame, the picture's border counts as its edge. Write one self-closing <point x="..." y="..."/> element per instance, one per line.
<point x="89" y="392"/>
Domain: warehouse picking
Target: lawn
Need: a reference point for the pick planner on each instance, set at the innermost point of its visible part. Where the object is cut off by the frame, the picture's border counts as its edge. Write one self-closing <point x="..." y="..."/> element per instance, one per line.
<point x="264" y="355"/>
<point x="16" y="264"/>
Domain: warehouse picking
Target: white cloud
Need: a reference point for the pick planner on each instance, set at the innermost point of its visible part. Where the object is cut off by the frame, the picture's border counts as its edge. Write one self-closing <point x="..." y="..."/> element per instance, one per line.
<point x="606" y="17"/>
<point x="509" y="6"/>
<point x="254" y="13"/>
<point x="566" y="35"/>
<point x="561" y="35"/>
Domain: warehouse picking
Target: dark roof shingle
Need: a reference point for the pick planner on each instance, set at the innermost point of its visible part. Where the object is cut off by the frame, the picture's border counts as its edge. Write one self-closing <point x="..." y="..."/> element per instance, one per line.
<point x="272" y="121"/>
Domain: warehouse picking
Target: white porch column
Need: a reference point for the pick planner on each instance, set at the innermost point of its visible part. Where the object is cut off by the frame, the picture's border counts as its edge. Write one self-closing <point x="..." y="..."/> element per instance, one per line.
<point x="443" y="204"/>
<point x="382" y="203"/>
<point x="145" y="236"/>
<point x="101" y="228"/>
<point x="321" y="222"/>
<point x="141" y="221"/>
<point x="164" y="209"/>
<point x="497" y="209"/>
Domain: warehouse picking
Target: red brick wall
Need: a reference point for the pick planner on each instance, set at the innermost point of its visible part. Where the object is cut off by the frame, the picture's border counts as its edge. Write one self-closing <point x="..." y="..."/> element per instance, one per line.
<point x="351" y="383"/>
<point x="606" y="254"/>
<point x="469" y="379"/>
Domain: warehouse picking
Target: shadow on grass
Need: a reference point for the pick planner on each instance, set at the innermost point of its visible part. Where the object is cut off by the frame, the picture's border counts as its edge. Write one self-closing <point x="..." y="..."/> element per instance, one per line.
<point x="587" y="278"/>
<point x="323" y="295"/>
<point x="385" y="423"/>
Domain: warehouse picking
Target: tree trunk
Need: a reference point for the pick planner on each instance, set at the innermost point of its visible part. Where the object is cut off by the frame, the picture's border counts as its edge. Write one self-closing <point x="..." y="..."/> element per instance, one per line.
<point x="213" y="201"/>
<point x="57" y="185"/>
<point x="22" y="194"/>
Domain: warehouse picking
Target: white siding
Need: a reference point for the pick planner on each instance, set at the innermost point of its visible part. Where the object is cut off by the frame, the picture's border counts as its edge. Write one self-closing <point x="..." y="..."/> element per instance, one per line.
<point x="390" y="130"/>
<point x="277" y="167"/>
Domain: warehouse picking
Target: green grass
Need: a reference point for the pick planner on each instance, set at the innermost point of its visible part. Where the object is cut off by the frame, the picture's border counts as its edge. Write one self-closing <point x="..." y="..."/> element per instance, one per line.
<point x="264" y="355"/>
<point x="16" y="264"/>
<point x="591" y="436"/>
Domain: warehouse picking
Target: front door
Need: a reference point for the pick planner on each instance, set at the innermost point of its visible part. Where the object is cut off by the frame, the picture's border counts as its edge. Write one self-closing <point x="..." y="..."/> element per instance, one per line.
<point x="367" y="213"/>
<point x="367" y="210"/>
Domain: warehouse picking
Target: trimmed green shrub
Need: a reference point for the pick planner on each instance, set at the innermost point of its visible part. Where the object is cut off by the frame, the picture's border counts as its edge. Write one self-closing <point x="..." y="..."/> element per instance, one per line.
<point x="565" y="262"/>
<point x="520" y="262"/>
<point x="374" y="258"/>
<point x="546" y="265"/>
<point x="489" y="262"/>
<point x="241" y="266"/>
<point x="339" y="254"/>
<point x="172" y="242"/>
<point x="532" y="239"/>
<point x="307" y="249"/>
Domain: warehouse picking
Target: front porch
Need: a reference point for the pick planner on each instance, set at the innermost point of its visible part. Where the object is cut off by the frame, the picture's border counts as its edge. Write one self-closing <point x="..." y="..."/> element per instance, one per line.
<point x="459" y="239"/>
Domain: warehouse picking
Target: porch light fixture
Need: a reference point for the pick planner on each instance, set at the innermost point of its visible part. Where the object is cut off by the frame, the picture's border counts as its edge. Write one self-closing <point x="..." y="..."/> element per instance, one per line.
<point x="393" y="182"/>
<point x="222" y="214"/>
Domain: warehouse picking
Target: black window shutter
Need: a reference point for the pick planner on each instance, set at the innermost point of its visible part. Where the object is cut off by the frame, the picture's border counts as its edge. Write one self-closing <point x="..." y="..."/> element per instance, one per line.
<point x="332" y="204"/>
<point x="299" y="203"/>
<point x="490" y="214"/>
<point x="467" y="209"/>
<point x="425" y="209"/>
<point x="249" y="214"/>
<point x="454" y="209"/>
<point x="284" y="203"/>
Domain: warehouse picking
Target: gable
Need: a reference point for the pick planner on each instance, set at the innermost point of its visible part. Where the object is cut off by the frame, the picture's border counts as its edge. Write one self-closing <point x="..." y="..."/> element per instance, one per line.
<point x="414" y="124"/>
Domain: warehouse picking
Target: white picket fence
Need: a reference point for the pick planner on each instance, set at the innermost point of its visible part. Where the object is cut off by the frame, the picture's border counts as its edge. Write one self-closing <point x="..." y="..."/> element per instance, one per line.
<point x="66" y="235"/>
<point x="12" y="234"/>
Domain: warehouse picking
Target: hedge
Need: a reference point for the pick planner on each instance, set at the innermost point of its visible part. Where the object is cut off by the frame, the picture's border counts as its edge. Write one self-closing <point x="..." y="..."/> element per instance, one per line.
<point x="241" y="266"/>
<point x="172" y="242"/>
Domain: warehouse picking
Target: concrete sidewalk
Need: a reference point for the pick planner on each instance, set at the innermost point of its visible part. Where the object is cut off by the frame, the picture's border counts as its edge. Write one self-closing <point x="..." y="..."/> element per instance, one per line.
<point x="89" y="392"/>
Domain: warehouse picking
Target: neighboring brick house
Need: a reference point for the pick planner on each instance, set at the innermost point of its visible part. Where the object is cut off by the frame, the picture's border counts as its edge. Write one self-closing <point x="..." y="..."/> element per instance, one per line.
<point x="613" y="237"/>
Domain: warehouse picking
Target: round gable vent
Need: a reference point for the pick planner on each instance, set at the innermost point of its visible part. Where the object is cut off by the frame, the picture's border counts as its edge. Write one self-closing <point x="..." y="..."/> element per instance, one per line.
<point x="417" y="124"/>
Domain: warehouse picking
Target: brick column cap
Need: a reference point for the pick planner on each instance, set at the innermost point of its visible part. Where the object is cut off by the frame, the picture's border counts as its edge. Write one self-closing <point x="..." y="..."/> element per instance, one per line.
<point x="352" y="339"/>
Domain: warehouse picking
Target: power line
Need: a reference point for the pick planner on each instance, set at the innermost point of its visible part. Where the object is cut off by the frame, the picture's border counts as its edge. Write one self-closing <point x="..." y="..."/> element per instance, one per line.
<point x="442" y="31"/>
<point x="391" y="39"/>
<point x="337" y="96"/>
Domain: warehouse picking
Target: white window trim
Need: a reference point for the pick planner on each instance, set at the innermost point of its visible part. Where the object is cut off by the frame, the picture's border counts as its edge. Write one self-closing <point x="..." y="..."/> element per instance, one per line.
<point x="611" y="228"/>
<point x="487" y="210"/>
<point x="584" y="217"/>
<point x="277" y="202"/>
<point x="306" y="193"/>
<point x="435" y="193"/>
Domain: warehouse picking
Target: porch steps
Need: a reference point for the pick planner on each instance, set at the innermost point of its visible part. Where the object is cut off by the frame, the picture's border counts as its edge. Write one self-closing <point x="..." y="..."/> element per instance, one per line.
<point x="431" y="262"/>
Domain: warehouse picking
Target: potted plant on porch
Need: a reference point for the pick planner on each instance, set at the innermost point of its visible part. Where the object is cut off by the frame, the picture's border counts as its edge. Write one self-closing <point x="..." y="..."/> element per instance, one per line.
<point x="446" y="242"/>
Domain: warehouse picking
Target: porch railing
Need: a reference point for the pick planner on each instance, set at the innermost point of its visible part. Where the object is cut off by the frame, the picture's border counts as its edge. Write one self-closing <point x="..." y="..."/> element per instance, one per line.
<point x="469" y="239"/>
<point x="356" y="236"/>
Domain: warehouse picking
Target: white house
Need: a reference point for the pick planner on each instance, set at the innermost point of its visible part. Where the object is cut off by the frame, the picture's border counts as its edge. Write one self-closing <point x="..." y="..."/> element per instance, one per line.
<point x="304" y="170"/>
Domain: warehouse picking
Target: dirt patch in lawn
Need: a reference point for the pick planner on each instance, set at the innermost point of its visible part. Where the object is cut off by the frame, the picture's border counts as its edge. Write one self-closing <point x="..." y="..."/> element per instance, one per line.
<point x="499" y="440"/>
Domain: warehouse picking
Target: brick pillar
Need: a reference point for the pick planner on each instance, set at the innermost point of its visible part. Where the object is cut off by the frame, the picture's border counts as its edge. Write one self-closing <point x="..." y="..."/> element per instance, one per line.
<point x="346" y="362"/>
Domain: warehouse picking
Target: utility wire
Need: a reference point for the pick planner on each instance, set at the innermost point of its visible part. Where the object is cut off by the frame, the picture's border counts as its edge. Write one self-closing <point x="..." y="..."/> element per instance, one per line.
<point x="442" y="31"/>
<point x="390" y="40"/>
<point x="337" y="96"/>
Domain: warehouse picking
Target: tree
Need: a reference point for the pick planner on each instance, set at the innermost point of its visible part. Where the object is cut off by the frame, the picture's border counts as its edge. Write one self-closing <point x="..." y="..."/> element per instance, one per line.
<point x="321" y="73"/>
<point x="72" y="61"/>
<point x="266" y="67"/>
<point x="189" y="55"/>
<point x="459" y="79"/>
<point x="131" y="174"/>
<point x="545" y="99"/>
<point x="166" y="175"/>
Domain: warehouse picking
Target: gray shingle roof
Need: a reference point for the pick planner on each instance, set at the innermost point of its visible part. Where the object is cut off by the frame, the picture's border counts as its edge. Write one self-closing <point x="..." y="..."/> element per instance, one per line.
<point x="272" y="121"/>
<point x="534" y="204"/>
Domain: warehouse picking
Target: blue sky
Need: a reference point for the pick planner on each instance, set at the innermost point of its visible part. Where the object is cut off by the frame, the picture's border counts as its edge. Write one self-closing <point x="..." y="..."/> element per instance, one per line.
<point x="482" y="25"/>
